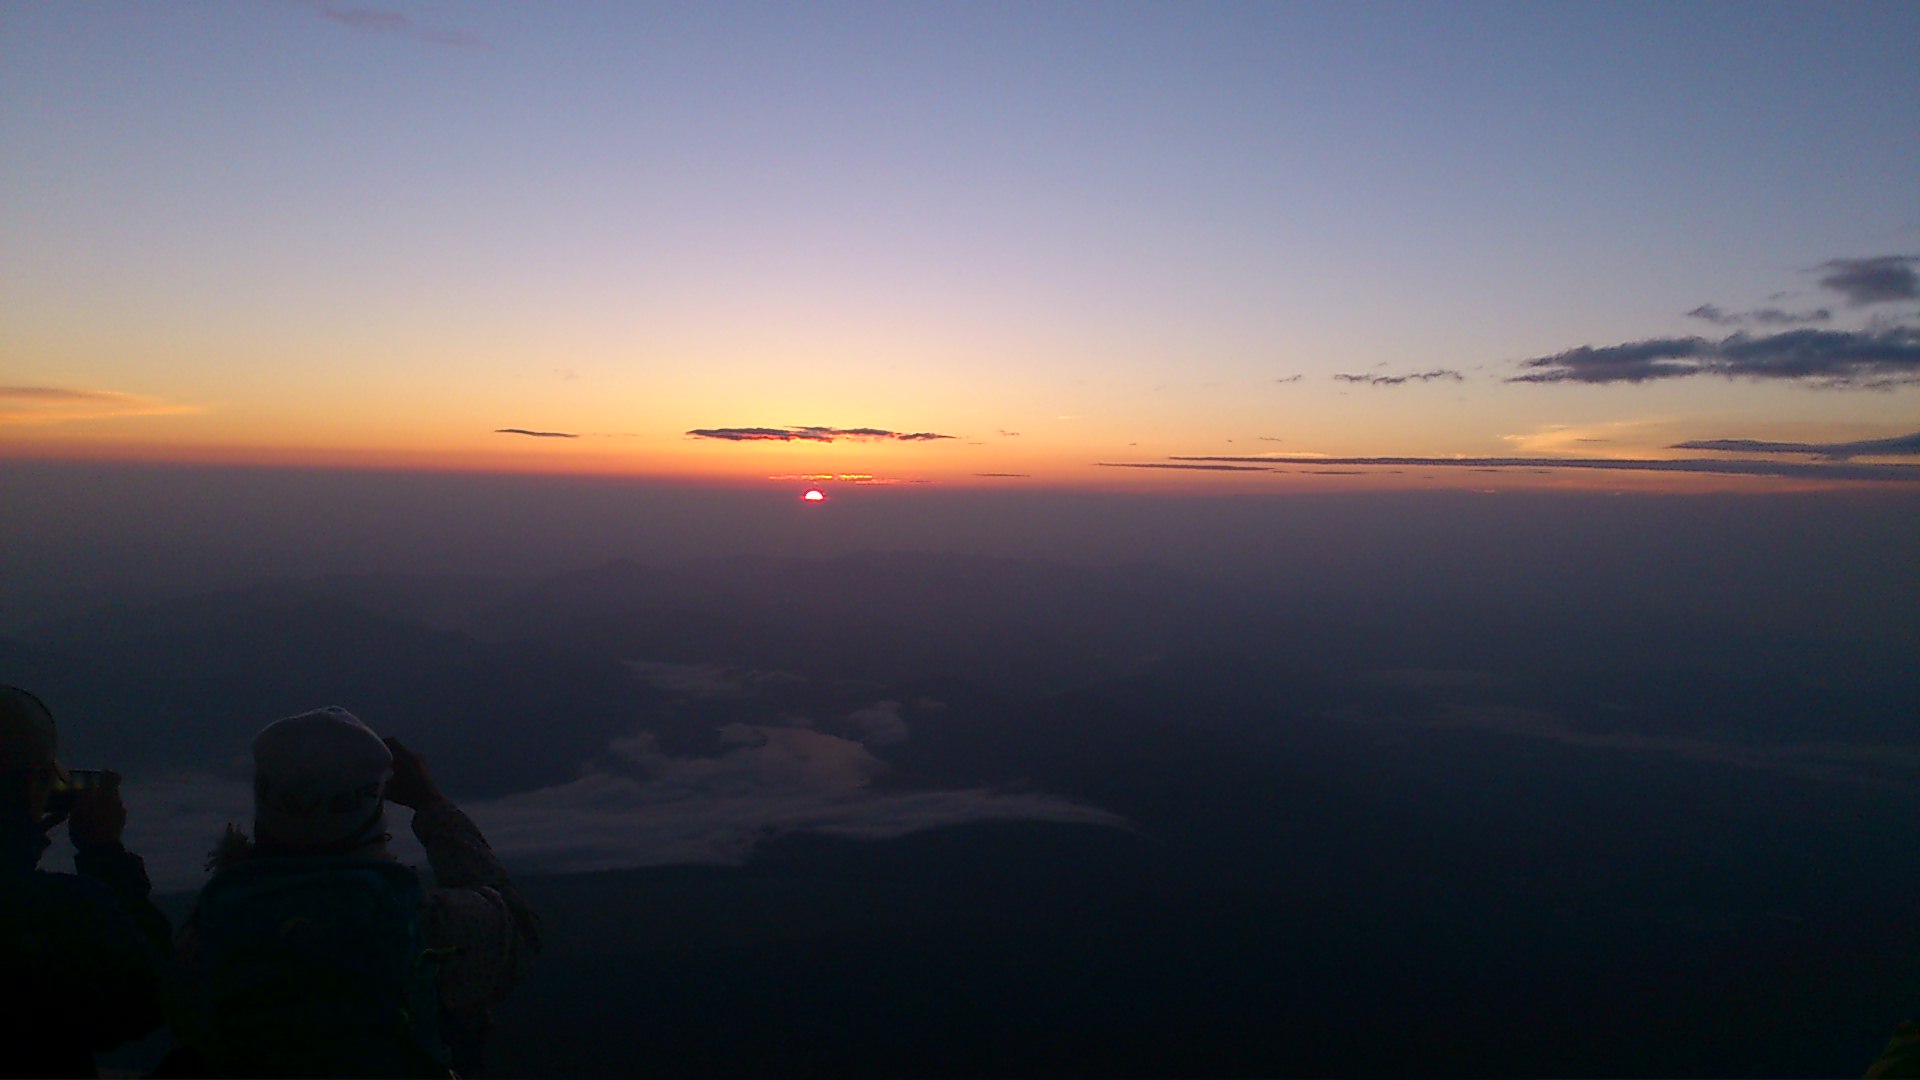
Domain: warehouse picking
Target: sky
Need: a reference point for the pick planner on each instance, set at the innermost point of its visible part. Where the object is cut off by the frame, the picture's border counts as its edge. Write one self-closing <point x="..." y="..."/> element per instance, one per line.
<point x="1187" y="247"/>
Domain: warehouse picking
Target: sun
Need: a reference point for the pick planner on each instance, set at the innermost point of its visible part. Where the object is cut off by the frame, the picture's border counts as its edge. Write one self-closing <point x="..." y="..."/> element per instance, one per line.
<point x="815" y="495"/>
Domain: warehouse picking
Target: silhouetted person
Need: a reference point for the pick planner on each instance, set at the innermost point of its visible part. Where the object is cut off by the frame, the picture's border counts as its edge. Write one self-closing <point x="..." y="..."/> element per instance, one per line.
<point x="84" y="953"/>
<point x="312" y="952"/>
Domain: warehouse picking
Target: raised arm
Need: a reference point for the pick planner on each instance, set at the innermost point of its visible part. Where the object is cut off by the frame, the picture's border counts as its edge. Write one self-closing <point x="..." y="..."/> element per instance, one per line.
<point x="475" y="905"/>
<point x="98" y="820"/>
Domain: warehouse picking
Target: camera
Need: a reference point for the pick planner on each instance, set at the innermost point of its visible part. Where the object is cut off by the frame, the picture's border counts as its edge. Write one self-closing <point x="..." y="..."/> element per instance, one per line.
<point x="78" y="784"/>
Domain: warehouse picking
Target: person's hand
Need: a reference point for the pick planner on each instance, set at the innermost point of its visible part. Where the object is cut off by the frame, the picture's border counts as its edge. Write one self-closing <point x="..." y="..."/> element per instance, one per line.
<point x="98" y="816"/>
<point x="410" y="785"/>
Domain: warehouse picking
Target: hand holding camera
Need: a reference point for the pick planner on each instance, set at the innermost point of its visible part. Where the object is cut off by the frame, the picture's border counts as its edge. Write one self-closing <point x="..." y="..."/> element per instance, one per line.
<point x="92" y="800"/>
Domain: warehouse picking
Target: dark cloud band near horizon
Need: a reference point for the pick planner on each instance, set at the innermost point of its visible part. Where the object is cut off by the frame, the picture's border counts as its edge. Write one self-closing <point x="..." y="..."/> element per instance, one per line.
<point x="811" y="433"/>
<point x="1714" y="466"/>
<point x="1196" y="468"/>
<point x="1900" y="446"/>
<point x="535" y="434"/>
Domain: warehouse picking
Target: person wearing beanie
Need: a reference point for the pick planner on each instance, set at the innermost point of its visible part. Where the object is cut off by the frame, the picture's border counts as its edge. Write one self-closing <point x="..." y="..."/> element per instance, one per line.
<point x="319" y="782"/>
<point x="318" y="860"/>
<point x="85" y="951"/>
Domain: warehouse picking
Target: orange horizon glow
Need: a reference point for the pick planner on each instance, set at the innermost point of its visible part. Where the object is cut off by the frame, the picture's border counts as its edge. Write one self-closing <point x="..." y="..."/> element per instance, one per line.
<point x="511" y="278"/>
<point x="694" y="464"/>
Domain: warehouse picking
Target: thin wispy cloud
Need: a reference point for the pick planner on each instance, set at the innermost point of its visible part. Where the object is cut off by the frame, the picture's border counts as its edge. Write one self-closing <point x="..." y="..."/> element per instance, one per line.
<point x="63" y="404"/>
<point x="54" y="393"/>
<point x="708" y="682"/>
<point x="1400" y="380"/>
<point x="1874" y="280"/>
<point x="857" y="479"/>
<point x="392" y="23"/>
<point x="813" y="434"/>
<point x="1759" y="316"/>
<point x="1004" y="475"/>
<point x="1887" y="767"/>
<point x="1874" y="359"/>
<point x="1182" y="465"/>
<point x="535" y="434"/>
<point x="1290" y="379"/>
<point x="1901" y="446"/>
<point x="1715" y="466"/>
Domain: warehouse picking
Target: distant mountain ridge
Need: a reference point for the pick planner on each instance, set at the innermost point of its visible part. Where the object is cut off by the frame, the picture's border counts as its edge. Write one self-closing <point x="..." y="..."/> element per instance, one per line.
<point x="883" y="615"/>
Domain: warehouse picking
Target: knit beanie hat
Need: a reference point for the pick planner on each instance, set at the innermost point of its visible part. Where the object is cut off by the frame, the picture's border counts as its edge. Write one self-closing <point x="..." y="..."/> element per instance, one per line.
<point x="318" y="779"/>
<point x="28" y="738"/>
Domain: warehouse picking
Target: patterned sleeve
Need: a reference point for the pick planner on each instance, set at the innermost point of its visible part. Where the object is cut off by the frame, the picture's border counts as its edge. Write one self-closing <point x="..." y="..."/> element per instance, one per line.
<point x="1901" y="1058"/>
<point x="125" y="875"/>
<point x="474" y="909"/>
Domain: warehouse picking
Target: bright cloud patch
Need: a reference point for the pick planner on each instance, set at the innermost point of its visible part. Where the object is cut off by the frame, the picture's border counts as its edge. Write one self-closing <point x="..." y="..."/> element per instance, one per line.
<point x="653" y="810"/>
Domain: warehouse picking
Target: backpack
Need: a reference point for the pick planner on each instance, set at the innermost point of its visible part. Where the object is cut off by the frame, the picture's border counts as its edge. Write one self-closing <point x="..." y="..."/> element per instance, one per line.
<point x="316" y="967"/>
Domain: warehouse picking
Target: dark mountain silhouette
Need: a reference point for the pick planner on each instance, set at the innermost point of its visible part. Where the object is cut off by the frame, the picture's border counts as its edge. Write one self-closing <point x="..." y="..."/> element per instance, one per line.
<point x="1011" y="623"/>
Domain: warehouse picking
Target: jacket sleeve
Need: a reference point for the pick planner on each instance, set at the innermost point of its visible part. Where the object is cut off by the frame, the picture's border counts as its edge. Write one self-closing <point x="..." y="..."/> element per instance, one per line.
<point x="125" y="876"/>
<point x="101" y="965"/>
<point x="474" y="910"/>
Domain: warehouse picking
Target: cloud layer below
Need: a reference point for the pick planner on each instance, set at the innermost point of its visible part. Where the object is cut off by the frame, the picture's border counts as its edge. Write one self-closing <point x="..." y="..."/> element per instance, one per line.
<point x="647" y="810"/>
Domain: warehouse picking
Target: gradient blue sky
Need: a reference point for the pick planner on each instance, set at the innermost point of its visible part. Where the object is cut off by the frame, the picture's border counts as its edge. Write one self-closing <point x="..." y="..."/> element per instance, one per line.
<point x="377" y="234"/>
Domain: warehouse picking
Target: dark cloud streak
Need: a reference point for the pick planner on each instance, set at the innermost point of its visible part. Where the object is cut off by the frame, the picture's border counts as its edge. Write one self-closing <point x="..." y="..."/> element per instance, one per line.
<point x="811" y="433"/>
<point x="1761" y="316"/>
<point x="1867" y="359"/>
<point x="1804" y="470"/>
<point x="535" y="434"/>
<point x="1904" y="445"/>
<point x="1397" y="380"/>
<point x="1197" y="468"/>
<point x="1875" y="280"/>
